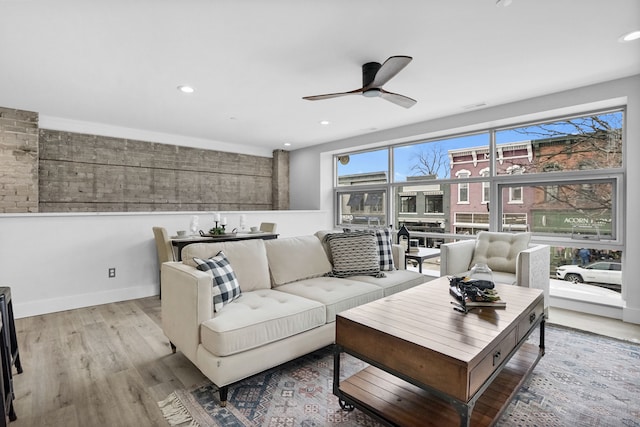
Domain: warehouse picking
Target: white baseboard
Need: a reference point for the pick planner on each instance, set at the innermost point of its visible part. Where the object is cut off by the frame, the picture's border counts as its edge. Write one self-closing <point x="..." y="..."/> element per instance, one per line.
<point x="631" y="315"/>
<point x="69" y="302"/>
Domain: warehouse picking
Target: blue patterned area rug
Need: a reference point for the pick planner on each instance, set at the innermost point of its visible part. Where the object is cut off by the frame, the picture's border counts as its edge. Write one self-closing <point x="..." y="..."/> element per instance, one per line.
<point x="582" y="380"/>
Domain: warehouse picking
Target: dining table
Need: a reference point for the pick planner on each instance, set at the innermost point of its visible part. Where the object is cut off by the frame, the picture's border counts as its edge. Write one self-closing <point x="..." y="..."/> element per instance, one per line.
<point x="180" y="242"/>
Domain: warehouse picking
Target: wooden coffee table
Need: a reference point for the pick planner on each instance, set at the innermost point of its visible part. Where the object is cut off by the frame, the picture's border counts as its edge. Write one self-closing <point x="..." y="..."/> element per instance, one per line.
<point x="431" y="365"/>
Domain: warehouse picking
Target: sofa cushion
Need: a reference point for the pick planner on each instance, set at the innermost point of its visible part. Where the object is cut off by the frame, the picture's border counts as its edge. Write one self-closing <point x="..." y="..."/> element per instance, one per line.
<point x="335" y="294"/>
<point x="296" y="258"/>
<point x="258" y="318"/>
<point x="499" y="250"/>
<point x="383" y="237"/>
<point x="395" y="281"/>
<point x="354" y="254"/>
<point x="247" y="257"/>
<point x="225" y="286"/>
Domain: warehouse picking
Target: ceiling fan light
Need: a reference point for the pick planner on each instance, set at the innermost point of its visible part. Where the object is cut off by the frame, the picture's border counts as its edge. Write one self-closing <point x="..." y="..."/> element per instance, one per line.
<point x="371" y="93"/>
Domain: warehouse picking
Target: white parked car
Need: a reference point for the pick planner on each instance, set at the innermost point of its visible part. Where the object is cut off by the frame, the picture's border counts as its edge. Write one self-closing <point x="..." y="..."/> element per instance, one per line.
<point x="597" y="272"/>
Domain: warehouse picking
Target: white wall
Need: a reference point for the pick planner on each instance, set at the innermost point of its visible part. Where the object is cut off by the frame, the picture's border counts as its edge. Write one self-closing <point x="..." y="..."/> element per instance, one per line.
<point x="55" y="262"/>
<point x="311" y="171"/>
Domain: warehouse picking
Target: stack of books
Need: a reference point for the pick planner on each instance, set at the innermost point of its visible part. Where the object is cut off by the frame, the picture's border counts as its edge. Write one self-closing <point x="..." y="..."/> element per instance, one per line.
<point x="469" y="294"/>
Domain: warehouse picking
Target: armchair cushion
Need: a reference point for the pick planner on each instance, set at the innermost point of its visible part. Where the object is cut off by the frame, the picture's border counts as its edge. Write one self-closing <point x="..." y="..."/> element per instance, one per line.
<point x="499" y="250"/>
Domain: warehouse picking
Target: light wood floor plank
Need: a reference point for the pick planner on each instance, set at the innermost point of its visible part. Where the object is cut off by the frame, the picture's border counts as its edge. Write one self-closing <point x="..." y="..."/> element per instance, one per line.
<point x="106" y="365"/>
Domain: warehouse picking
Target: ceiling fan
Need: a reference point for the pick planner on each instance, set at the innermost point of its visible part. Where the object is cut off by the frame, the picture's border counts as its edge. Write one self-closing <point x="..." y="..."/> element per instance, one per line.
<point x="374" y="76"/>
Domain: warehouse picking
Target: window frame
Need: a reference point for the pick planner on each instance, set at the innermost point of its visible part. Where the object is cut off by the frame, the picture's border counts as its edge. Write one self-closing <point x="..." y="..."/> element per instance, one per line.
<point x="497" y="181"/>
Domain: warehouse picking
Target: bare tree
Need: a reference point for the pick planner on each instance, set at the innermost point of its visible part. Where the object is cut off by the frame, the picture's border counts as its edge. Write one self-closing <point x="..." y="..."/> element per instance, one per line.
<point x="431" y="160"/>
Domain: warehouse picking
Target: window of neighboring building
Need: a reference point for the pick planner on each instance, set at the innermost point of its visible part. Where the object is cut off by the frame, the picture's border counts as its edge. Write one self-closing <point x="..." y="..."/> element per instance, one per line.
<point x="433" y="203"/>
<point x="407" y="204"/>
<point x="551" y="191"/>
<point x="515" y="193"/>
<point x="463" y="188"/>
<point x="485" y="186"/>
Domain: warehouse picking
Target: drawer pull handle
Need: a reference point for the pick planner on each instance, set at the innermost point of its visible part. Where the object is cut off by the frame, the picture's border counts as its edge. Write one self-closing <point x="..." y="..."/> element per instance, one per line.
<point x="532" y="317"/>
<point x="496" y="358"/>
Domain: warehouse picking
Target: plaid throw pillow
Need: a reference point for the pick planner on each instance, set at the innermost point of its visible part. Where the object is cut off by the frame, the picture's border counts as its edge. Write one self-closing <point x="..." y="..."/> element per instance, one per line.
<point x="225" y="284"/>
<point x="384" y="249"/>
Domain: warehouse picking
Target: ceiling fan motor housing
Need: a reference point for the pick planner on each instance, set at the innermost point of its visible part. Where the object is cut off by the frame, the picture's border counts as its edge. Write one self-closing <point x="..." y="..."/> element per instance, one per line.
<point x="369" y="71"/>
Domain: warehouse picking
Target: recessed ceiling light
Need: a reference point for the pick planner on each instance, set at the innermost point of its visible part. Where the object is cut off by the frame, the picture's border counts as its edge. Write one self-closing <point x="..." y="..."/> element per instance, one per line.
<point x="186" y="89"/>
<point x="287" y="144"/>
<point x="633" y="35"/>
<point x="474" y="106"/>
<point x="324" y="122"/>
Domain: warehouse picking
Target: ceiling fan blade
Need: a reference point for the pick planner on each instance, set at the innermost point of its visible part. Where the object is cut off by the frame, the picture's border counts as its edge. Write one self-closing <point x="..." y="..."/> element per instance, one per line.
<point x="332" y="95"/>
<point x="389" y="69"/>
<point x="401" y="100"/>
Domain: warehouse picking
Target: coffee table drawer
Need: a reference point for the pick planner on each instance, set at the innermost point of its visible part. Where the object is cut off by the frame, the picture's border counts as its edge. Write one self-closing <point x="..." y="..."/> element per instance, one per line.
<point x="490" y="362"/>
<point x="529" y="319"/>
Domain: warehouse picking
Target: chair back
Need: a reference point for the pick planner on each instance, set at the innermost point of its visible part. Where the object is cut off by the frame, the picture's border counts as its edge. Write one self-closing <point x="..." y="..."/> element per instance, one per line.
<point x="268" y="227"/>
<point x="163" y="244"/>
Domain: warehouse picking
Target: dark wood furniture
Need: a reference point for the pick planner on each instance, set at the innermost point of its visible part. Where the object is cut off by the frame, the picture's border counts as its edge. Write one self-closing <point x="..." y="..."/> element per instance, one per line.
<point x="420" y="255"/>
<point x="431" y="365"/>
<point x="9" y="354"/>
<point x="180" y="243"/>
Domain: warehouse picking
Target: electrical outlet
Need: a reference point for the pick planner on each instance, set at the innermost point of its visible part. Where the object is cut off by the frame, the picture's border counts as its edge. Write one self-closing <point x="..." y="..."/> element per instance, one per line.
<point x="112" y="272"/>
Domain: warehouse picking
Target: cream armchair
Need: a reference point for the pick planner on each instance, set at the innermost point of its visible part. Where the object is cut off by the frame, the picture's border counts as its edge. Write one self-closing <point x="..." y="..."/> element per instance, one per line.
<point x="511" y="257"/>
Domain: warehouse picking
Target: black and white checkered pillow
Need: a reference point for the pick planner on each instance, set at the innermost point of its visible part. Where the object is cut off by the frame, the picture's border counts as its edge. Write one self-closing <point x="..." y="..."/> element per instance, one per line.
<point x="384" y="249"/>
<point x="225" y="284"/>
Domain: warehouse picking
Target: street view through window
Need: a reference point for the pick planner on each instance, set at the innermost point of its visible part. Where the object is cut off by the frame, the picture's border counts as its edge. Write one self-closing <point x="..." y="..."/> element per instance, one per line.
<point x="560" y="179"/>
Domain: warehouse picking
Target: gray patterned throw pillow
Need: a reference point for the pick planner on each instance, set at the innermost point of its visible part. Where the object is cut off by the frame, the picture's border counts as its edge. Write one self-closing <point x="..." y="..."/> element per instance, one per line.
<point x="354" y="254"/>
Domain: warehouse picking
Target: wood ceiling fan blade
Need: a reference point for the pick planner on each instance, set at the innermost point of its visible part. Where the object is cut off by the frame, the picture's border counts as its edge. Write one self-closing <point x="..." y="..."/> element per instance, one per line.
<point x="332" y="95"/>
<point x="389" y="69"/>
<point x="401" y="100"/>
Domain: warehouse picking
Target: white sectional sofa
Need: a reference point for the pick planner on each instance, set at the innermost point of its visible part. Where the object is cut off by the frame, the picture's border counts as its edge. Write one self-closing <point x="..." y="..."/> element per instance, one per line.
<point x="287" y="306"/>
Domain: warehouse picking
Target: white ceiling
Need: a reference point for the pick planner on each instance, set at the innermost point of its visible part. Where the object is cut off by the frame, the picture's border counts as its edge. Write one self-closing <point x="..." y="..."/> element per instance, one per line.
<point x="118" y="62"/>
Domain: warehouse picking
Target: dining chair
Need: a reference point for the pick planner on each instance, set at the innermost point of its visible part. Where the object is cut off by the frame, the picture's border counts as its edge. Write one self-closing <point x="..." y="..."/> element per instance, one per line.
<point x="165" y="249"/>
<point x="268" y="227"/>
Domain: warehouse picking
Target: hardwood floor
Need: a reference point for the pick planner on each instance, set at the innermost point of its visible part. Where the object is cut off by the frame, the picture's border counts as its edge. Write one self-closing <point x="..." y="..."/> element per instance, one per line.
<point x="106" y="365"/>
<point x="109" y="365"/>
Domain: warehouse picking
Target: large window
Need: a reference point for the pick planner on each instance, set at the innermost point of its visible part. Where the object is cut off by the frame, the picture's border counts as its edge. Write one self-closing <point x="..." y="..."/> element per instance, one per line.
<point x="561" y="180"/>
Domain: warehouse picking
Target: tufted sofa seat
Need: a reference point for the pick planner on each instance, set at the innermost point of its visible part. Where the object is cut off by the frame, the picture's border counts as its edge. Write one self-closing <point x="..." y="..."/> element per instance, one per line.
<point x="287" y="307"/>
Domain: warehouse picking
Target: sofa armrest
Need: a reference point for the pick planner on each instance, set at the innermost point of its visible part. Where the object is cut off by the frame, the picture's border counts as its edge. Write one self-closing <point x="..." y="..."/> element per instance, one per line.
<point x="186" y="303"/>
<point x="397" y="251"/>
<point x="533" y="271"/>
<point x="456" y="257"/>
